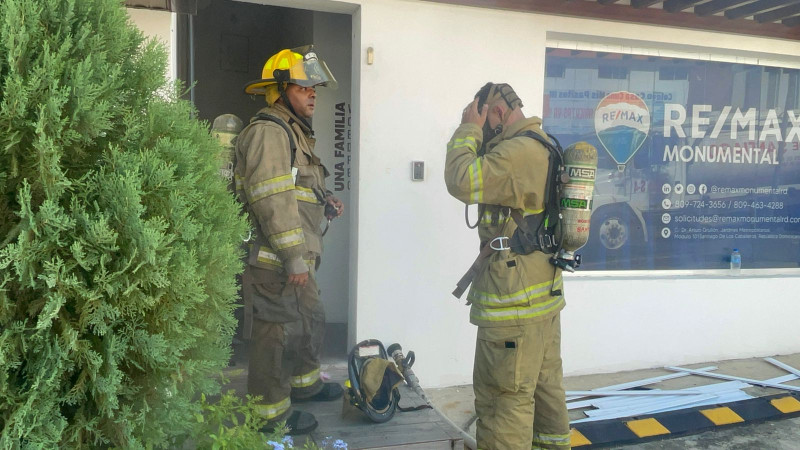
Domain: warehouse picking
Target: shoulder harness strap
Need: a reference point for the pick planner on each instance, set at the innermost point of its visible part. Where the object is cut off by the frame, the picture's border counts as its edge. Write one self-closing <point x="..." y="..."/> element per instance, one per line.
<point x="270" y="118"/>
<point x="538" y="231"/>
<point x="556" y="161"/>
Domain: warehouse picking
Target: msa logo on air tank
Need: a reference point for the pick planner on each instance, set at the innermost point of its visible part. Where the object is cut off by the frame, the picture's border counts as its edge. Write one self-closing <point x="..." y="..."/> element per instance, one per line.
<point x="576" y="203"/>
<point x="581" y="173"/>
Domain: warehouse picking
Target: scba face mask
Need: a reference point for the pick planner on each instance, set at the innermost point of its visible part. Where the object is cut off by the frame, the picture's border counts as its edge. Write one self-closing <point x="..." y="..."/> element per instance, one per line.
<point x="489" y="133"/>
<point x="488" y="95"/>
<point x="372" y="381"/>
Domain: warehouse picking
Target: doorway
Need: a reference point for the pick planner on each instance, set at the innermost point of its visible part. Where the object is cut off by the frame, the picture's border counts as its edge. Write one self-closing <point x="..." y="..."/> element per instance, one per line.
<point x="225" y="45"/>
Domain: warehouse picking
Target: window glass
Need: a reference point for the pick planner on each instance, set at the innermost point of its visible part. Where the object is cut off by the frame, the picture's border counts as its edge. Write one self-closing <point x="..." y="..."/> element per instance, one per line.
<point x="695" y="158"/>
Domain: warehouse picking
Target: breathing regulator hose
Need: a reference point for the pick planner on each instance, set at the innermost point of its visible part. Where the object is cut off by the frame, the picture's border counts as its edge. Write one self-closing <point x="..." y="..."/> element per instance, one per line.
<point x="404" y="363"/>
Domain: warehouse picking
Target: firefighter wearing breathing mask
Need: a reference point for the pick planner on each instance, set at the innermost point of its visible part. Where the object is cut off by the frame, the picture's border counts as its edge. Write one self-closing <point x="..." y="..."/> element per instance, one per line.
<point x="515" y="299"/>
<point x="281" y="183"/>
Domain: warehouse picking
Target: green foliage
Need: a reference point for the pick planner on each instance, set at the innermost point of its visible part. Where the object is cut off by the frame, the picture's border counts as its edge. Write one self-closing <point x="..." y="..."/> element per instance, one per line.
<point x="119" y="243"/>
<point x="232" y="423"/>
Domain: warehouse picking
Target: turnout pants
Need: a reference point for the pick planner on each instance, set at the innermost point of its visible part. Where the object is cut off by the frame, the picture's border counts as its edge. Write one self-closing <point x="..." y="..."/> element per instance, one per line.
<point x="517" y="378"/>
<point x="287" y="333"/>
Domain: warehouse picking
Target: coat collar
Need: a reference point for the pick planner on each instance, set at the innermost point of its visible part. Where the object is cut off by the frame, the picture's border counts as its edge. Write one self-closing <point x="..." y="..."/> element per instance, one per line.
<point x="281" y="111"/>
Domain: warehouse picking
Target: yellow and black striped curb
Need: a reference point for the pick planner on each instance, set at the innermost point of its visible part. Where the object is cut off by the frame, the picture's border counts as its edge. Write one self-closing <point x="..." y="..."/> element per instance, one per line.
<point x="684" y="422"/>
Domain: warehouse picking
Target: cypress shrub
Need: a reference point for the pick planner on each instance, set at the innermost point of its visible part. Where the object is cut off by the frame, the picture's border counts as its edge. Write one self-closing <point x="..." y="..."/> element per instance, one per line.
<point x="119" y="242"/>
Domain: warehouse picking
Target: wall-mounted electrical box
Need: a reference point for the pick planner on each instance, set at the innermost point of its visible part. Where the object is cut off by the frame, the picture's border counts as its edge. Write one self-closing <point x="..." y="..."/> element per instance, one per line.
<point x="417" y="170"/>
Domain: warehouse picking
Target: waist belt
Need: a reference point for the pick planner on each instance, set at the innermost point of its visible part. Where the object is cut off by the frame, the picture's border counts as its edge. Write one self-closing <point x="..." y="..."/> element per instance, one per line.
<point x="486" y="250"/>
<point x="524" y="241"/>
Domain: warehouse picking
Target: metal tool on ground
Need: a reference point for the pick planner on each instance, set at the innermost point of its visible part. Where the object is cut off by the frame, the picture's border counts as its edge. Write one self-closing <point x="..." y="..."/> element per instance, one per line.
<point x="404" y="363"/>
<point x="732" y="378"/>
<point x="635" y="384"/>
<point x="783" y="366"/>
<point x="611" y="402"/>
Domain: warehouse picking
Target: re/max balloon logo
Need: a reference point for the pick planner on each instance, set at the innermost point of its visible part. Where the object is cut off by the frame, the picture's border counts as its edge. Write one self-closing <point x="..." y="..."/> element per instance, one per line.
<point x="622" y="123"/>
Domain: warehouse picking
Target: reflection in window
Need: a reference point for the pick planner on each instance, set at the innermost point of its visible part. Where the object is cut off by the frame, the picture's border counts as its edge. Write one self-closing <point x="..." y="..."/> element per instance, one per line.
<point x="773" y="75"/>
<point x="752" y="92"/>
<point x="554" y="71"/>
<point x="673" y="73"/>
<point x="612" y="73"/>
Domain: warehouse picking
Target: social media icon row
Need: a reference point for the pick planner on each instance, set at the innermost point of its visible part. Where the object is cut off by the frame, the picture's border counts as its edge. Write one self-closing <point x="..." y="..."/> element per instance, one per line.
<point x="679" y="188"/>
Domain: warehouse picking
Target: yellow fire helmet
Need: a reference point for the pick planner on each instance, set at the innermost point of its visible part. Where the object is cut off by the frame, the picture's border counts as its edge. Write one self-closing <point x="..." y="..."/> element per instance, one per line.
<point x="300" y="66"/>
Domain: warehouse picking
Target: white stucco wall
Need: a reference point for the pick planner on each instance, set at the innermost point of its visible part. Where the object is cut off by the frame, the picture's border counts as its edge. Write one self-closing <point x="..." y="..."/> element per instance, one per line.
<point x="332" y="129"/>
<point x="410" y="244"/>
<point x="430" y="60"/>
<point x="413" y="244"/>
<point x="157" y="25"/>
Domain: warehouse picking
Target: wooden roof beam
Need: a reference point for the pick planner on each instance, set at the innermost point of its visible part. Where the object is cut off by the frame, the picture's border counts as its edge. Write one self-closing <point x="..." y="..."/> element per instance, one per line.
<point x="778" y="14"/>
<point x="715" y="6"/>
<point x="650" y="16"/>
<point x="679" y="5"/>
<point x="755" y="8"/>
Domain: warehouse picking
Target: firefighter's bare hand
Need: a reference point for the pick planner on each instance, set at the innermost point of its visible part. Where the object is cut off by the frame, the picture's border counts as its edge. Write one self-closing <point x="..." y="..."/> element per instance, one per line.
<point x="336" y="203"/>
<point x="472" y="115"/>
<point x="298" y="279"/>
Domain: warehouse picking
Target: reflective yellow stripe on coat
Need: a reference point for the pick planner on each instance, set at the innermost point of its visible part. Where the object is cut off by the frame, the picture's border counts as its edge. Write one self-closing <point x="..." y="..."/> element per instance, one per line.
<point x="468" y="142"/>
<point x="270" y="187"/>
<point x="305" y="194"/>
<point x="267" y="256"/>
<point x="476" y="181"/>
<point x="520" y="297"/>
<point x="487" y="307"/>
<point x="239" y="183"/>
<point x="486" y="220"/>
<point x="287" y="239"/>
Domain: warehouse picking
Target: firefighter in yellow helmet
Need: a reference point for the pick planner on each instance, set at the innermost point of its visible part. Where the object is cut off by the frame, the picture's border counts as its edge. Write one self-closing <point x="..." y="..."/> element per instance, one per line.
<point x="281" y="183"/>
<point x="495" y="160"/>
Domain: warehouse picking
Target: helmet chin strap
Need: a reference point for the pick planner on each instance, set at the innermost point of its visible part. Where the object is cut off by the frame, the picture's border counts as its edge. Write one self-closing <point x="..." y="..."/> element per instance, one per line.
<point x="288" y="104"/>
<point x="281" y="76"/>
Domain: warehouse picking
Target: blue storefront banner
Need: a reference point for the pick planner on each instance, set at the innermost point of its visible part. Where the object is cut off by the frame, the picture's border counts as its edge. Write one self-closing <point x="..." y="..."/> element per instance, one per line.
<point x="696" y="158"/>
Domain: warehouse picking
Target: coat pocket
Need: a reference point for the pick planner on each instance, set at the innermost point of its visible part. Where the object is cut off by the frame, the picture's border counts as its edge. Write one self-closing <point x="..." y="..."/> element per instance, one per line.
<point x="501" y="284"/>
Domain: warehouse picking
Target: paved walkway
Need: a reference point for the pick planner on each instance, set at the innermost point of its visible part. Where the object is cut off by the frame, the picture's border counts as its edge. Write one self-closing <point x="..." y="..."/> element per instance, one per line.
<point x="457" y="404"/>
<point x="774" y="435"/>
<point x="424" y="429"/>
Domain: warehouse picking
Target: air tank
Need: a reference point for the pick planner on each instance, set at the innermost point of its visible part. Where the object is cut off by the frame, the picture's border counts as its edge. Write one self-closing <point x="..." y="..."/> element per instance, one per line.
<point x="225" y="129"/>
<point x="575" y="203"/>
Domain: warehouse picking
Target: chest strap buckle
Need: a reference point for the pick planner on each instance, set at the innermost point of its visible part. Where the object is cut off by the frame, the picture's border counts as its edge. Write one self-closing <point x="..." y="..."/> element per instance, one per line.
<point x="503" y="243"/>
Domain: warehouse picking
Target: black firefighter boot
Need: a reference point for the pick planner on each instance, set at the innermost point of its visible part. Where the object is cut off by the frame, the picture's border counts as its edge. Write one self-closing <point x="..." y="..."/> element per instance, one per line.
<point x="298" y="422"/>
<point x="329" y="392"/>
